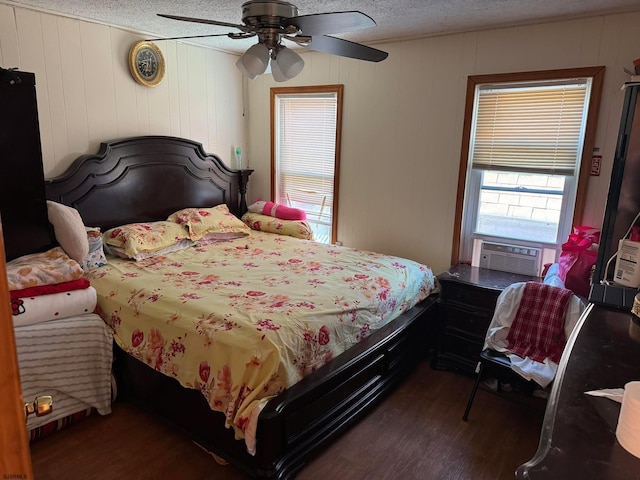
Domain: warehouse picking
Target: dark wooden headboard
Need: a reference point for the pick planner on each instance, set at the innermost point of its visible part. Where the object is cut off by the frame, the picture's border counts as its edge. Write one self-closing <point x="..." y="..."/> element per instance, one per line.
<point x="143" y="179"/>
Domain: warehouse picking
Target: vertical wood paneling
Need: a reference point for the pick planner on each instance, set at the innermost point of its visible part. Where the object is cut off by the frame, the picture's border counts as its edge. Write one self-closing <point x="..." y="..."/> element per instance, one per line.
<point x="403" y="123"/>
<point x="97" y="63"/>
<point x="385" y="120"/>
<point x="31" y="41"/>
<point x="73" y="82"/>
<point x="125" y="91"/>
<point x="197" y="83"/>
<point x="86" y="94"/>
<point x="220" y="91"/>
<point x="211" y="87"/>
<point x="171" y="51"/>
<point x="157" y="115"/>
<point x="411" y="72"/>
<point x="236" y="93"/>
<point x="183" y="89"/>
<point x="9" y="51"/>
<point x="55" y="93"/>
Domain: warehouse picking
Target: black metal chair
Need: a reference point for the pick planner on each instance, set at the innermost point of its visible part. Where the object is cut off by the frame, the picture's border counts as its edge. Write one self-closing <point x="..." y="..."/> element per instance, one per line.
<point x="493" y="364"/>
<point x="497" y="365"/>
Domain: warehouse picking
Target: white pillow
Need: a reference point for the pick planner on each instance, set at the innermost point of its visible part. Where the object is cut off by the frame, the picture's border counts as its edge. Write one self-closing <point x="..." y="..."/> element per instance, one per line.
<point x="69" y="230"/>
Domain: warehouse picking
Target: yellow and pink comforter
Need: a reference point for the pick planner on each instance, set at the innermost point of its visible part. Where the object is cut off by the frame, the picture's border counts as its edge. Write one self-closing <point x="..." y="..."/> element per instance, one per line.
<point x="243" y="320"/>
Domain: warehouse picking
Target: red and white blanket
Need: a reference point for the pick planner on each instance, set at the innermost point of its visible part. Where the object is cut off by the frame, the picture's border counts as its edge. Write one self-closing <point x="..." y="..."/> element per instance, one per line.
<point x="533" y="335"/>
<point x="537" y="331"/>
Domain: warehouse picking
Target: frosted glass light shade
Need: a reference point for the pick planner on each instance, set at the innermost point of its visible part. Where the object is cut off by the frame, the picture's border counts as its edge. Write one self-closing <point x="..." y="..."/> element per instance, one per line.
<point x="254" y="61"/>
<point x="278" y="76"/>
<point x="286" y="65"/>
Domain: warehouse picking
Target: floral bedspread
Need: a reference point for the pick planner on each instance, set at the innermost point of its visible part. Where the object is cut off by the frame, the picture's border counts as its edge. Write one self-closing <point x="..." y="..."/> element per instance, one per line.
<point x="243" y="320"/>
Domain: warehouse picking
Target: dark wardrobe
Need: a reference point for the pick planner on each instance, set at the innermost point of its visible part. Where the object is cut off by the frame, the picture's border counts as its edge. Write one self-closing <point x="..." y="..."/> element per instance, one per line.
<point x="623" y="205"/>
<point x="23" y="209"/>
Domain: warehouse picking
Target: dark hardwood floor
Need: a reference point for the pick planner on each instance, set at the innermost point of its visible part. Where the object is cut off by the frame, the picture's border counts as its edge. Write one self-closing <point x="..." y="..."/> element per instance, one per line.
<point x="417" y="432"/>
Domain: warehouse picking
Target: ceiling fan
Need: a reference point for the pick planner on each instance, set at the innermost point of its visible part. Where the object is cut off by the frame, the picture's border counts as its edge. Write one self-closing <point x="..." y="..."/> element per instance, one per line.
<point x="273" y="21"/>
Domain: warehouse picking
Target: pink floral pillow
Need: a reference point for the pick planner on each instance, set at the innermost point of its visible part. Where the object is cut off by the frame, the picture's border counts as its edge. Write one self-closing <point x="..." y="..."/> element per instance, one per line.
<point x="203" y="221"/>
<point x="136" y="238"/>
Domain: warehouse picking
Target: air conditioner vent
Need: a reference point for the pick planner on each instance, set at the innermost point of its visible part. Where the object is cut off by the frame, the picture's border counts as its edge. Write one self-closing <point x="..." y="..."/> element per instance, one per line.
<point x="510" y="258"/>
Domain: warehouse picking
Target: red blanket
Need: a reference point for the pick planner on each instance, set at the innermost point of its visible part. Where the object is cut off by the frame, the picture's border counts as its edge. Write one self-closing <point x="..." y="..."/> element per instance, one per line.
<point x="77" y="284"/>
<point x="537" y="330"/>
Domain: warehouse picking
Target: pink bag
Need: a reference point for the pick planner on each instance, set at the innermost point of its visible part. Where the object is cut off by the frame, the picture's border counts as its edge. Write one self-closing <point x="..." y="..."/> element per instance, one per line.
<point x="578" y="256"/>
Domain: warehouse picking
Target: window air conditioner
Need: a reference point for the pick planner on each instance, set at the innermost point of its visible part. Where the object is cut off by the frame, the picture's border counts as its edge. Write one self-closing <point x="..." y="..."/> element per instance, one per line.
<point x="510" y="258"/>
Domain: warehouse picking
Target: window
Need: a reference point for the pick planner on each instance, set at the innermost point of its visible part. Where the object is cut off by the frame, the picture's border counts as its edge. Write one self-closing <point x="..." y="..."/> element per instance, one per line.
<point x="305" y="152"/>
<point x="522" y="168"/>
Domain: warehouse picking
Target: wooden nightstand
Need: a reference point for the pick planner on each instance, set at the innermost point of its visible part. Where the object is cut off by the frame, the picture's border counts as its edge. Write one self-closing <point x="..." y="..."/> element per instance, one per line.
<point x="467" y="300"/>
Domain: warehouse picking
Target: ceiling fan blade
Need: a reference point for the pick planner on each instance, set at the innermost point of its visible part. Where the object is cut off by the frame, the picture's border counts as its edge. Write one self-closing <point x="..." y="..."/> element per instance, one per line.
<point x="190" y="36"/>
<point x="208" y="22"/>
<point x="326" y="23"/>
<point x="345" y="48"/>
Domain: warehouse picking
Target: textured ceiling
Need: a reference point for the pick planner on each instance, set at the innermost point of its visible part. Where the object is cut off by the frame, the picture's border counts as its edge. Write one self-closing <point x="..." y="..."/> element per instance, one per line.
<point x="396" y="19"/>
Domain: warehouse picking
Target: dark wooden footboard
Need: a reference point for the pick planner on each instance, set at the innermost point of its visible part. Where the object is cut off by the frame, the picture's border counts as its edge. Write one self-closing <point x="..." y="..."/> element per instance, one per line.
<point x="296" y="424"/>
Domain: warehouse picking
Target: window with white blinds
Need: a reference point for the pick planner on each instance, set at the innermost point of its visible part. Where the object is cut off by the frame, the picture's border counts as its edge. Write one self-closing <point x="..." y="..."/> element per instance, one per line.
<point x="523" y="175"/>
<point x="305" y="147"/>
<point x="530" y="128"/>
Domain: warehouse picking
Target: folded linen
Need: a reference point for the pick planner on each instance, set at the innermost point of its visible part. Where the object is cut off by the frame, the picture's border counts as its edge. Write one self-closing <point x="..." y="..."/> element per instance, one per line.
<point x="43" y="308"/>
<point x="78" y="284"/>
<point x="45" y="268"/>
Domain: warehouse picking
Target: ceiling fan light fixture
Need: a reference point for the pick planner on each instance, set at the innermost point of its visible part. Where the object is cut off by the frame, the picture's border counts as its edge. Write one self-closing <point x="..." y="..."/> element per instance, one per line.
<point x="273" y="21"/>
<point x="254" y="61"/>
<point x="286" y="65"/>
<point x="278" y="76"/>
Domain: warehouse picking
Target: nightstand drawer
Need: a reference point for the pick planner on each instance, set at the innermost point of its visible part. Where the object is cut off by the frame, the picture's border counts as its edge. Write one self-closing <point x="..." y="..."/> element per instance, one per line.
<point x="464" y="350"/>
<point x="468" y="297"/>
<point x="463" y="294"/>
<point x="471" y="321"/>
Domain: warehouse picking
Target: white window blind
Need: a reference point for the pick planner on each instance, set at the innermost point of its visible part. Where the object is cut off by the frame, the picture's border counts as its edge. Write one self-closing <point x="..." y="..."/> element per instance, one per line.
<point x="533" y="129"/>
<point x="306" y="152"/>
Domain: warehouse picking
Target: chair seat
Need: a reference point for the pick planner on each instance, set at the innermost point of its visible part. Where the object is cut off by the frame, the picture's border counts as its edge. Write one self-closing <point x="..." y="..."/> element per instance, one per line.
<point x="494" y="363"/>
<point x="538" y="309"/>
<point x="494" y="356"/>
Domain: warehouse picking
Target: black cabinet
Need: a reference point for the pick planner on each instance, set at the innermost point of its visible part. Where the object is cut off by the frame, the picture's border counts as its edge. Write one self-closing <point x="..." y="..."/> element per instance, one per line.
<point x="623" y="204"/>
<point x="467" y="301"/>
<point x="23" y="207"/>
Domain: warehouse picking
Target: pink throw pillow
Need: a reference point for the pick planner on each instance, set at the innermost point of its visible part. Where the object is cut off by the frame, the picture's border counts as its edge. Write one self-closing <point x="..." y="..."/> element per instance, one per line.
<point x="276" y="210"/>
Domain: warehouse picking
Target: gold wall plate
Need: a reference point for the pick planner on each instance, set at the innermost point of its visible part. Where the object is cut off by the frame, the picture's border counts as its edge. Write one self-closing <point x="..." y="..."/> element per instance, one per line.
<point x="146" y="63"/>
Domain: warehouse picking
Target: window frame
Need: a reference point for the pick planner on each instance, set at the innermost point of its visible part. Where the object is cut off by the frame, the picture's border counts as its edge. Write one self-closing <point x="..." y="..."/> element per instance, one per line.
<point x="337" y="89"/>
<point x="597" y="77"/>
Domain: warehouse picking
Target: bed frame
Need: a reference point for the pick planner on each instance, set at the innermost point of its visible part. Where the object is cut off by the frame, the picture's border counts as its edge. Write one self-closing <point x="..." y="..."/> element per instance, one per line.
<point x="148" y="178"/>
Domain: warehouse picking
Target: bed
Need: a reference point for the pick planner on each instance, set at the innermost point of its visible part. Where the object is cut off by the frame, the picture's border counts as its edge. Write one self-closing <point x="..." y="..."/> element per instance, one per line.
<point x="147" y="179"/>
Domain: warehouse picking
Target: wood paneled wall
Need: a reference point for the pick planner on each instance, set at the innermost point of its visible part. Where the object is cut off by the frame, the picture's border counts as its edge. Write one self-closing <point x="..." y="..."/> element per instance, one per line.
<point x="403" y="118"/>
<point x="402" y="121"/>
<point x="86" y="94"/>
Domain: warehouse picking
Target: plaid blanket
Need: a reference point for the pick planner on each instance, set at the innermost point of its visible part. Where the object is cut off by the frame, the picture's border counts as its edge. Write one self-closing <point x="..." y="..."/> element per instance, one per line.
<point x="537" y="330"/>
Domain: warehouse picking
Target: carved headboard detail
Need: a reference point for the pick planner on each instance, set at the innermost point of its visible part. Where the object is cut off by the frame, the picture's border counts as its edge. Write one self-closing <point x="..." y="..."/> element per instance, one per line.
<point x="143" y="179"/>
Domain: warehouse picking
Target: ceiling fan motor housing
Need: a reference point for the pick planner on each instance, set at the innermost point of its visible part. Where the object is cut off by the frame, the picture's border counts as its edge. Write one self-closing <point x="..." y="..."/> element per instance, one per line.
<point x="258" y="13"/>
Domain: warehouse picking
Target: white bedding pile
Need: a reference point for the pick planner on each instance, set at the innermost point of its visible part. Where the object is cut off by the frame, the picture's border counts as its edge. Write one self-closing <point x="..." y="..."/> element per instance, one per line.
<point x="44" y="308"/>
